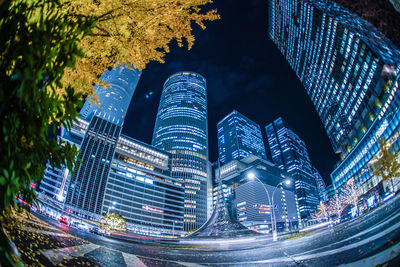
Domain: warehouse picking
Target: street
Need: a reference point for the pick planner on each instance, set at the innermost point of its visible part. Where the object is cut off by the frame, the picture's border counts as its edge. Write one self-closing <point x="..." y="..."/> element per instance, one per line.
<point x="368" y="240"/>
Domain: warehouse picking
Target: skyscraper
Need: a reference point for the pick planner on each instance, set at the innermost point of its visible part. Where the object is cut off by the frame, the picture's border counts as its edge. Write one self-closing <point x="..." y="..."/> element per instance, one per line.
<point x="289" y="153"/>
<point x="181" y="129"/>
<point x="321" y="186"/>
<point x="55" y="181"/>
<point x="239" y="137"/>
<point x="113" y="101"/>
<point x="349" y="70"/>
<point x="87" y="185"/>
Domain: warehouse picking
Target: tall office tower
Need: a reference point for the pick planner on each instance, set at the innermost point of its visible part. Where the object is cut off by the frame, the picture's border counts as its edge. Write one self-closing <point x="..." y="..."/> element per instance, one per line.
<point x="87" y="185"/>
<point x="239" y="137"/>
<point x="141" y="189"/>
<point x="114" y="100"/>
<point x="350" y="71"/>
<point x="289" y="153"/>
<point x="181" y="129"/>
<point x="55" y="181"/>
<point x="321" y="187"/>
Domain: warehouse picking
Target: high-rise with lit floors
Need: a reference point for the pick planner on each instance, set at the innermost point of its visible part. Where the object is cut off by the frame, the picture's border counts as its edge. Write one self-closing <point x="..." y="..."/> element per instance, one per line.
<point x="181" y="129"/>
<point x="239" y="137"/>
<point x="321" y="186"/>
<point x="350" y="71"/>
<point x="289" y="153"/>
<point x="115" y="100"/>
<point x="88" y="182"/>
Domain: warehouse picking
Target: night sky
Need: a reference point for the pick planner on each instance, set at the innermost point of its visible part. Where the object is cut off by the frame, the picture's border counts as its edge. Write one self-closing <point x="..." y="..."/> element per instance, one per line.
<point x="244" y="71"/>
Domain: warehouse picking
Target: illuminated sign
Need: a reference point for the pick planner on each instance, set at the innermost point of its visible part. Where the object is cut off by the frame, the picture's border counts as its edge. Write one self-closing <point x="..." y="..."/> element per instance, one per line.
<point x="148" y="208"/>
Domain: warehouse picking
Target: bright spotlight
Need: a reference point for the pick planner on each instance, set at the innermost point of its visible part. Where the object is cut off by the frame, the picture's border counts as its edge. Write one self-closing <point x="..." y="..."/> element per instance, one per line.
<point x="251" y="175"/>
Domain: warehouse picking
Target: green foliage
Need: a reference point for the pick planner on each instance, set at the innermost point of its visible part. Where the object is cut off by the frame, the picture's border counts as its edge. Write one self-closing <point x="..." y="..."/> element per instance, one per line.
<point x="385" y="163"/>
<point x="112" y="222"/>
<point x="37" y="42"/>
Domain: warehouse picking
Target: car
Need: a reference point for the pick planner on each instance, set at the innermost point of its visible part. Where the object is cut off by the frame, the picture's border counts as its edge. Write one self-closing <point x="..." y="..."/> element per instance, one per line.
<point x="63" y="220"/>
<point x="80" y="226"/>
<point x="96" y="230"/>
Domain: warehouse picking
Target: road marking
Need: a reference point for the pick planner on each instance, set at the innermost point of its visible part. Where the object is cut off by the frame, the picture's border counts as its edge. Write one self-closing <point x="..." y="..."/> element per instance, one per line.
<point x="354" y="236"/>
<point x="300" y="257"/>
<point x="131" y="260"/>
<point x="376" y="259"/>
<point x="189" y="264"/>
<point x="34" y="230"/>
<point x="58" y="255"/>
<point x="373" y="228"/>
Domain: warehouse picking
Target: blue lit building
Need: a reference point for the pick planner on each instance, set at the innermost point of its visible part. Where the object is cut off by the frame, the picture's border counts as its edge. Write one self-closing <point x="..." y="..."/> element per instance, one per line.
<point x="88" y="182"/>
<point x="181" y="129"/>
<point x="113" y="101"/>
<point x="239" y="137"/>
<point x="117" y="173"/>
<point x="55" y="182"/>
<point x="140" y="188"/>
<point x="113" y="104"/>
<point x="251" y="202"/>
<point x="289" y="153"/>
<point x="350" y="71"/>
<point x="87" y="185"/>
<point x="321" y="187"/>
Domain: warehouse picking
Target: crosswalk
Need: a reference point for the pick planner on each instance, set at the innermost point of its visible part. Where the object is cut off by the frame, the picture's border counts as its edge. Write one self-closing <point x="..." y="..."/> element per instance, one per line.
<point x="55" y="256"/>
<point x="103" y="256"/>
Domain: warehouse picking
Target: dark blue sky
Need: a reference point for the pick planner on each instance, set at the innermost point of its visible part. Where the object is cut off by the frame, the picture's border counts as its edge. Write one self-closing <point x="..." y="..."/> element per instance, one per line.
<point x="244" y="71"/>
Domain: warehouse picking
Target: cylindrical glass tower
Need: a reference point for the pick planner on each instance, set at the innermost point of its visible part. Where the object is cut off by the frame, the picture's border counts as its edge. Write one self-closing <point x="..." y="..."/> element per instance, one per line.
<point x="181" y="129"/>
<point x="114" y="101"/>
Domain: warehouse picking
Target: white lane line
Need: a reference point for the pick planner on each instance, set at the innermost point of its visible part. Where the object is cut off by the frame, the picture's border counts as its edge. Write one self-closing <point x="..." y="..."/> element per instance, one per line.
<point x="58" y="255"/>
<point x="373" y="228"/>
<point x="131" y="260"/>
<point x="376" y="259"/>
<point x="354" y="236"/>
<point x="300" y="257"/>
<point x="34" y="230"/>
<point x="189" y="264"/>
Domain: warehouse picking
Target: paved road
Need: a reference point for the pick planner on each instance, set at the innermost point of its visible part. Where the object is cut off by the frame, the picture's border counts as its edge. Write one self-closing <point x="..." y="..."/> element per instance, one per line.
<point x="371" y="239"/>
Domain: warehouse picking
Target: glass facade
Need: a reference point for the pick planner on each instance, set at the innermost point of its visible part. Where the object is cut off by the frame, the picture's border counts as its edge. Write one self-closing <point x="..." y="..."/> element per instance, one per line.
<point x="321" y="187"/>
<point x="181" y="129"/>
<point x="349" y="70"/>
<point x="117" y="173"/>
<point x="140" y="189"/>
<point x="239" y="137"/>
<point x="113" y="101"/>
<point x="249" y="198"/>
<point x="55" y="181"/>
<point x="289" y="153"/>
<point x="88" y="182"/>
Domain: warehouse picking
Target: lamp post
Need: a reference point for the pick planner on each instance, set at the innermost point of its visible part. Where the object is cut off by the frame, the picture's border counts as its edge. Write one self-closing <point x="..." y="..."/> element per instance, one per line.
<point x="111" y="207"/>
<point x="252" y="176"/>
<point x="173" y="227"/>
<point x="108" y="212"/>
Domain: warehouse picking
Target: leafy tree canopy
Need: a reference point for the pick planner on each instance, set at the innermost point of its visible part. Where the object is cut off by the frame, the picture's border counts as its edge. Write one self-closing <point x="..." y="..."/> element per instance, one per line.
<point x="131" y="32"/>
<point x="37" y="42"/>
<point x="385" y="163"/>
<point x="112" y="222"/>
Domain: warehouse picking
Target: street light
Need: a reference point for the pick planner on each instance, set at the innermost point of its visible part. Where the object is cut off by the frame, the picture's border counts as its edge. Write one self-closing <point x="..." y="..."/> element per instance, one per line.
<point x="252" y="176"/>
<point x="111" y="207"/>
<point x="173" y="227"/>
